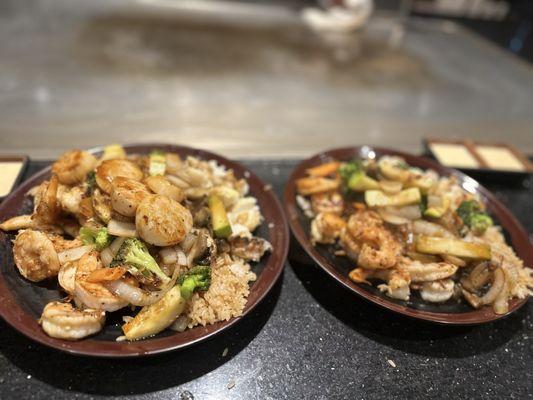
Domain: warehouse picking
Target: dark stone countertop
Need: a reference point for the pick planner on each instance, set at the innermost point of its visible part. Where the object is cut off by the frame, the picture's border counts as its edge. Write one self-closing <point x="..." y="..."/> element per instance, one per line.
<point x="309" y="339"/>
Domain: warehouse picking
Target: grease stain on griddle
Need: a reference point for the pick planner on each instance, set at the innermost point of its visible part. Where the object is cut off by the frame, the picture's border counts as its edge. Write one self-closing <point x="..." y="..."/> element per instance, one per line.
<point x="169" y="47"/>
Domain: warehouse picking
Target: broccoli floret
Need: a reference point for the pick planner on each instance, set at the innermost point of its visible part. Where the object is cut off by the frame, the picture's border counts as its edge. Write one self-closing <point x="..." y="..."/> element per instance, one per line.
<point x="102" y="239"/>
<point x="347" y="170"/>
<point x="354" y="177"/>
<point x="198" y="278"/>
<point x="86" y="235"/>
<point x="91" y="183"/>
<point x="134" y="254"/>
<point x="99" y="237"/>
<point x="472" y="216"/>
<point x="466" y="209"/>
<point x="480" y="222"/>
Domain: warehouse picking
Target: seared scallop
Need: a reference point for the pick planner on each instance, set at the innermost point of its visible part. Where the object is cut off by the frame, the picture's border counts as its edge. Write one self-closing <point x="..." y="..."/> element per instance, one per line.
<point x="110" y="169"/>
<point x="162" y="221"/>
<point x="161" y="185"/>
<point x="126" y="194"/>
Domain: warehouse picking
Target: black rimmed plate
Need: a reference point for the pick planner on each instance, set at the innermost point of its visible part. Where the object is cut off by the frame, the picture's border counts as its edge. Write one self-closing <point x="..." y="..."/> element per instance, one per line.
<point x="22" y="301"/>
<point x="451" y="312"/>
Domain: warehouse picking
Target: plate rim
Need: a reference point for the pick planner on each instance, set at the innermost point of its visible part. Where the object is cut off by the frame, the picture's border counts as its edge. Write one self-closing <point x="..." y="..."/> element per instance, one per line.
<point x="474" y="317"/>
<point x="18" y="318"/>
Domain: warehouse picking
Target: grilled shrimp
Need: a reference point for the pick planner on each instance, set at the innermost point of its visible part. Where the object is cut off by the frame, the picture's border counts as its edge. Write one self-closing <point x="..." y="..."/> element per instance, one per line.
<point x="311" y="185"/>
<point x="70" y="198"/>
<point x="351" y="247"/>
<point x="362" y="275"/>
<point x="326" y="228"/>
<point x="67" y="276"/>
<point x="110" y="169"/>
<point x="62" y="321"/>
<point x="331" y="202"/>
<point x="26" y="222"/>
<point x="437" y="291"/>
<point x="161" y="185"/>
<point x="47" y="207"/>
<point x="35" y="255"/>
<point x="194" y="177"/>
<point x="398" y="280"/>
<point x="427" y="272"/>
<point x="126" y="194"/>
<point x="367" y="238"/>
<point x="382" y="257"/>
<point x="73" y="166"/>
<point x="91" y="294"/>
<point x="16" y="223"/>
<point x="162" y="221"/>
<point x="397" y="287"/>
<point x="61" y="244"/>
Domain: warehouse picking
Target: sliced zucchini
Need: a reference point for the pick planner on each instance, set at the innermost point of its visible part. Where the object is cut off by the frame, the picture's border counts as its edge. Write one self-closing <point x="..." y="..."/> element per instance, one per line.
<point x="219" y="217"/>
<point x="361" y="182"/>
<point x="453" y="247"/>
<point x="434" y="212"/>
<point x="113" y="151"/>
<point x="437" y="206"/>
<point x="228" y="195"/>
<point x="377" y="198"/>
<point x="154" y="318"/>
<point x="424" y="184"/>
<point x="158" y="163"/>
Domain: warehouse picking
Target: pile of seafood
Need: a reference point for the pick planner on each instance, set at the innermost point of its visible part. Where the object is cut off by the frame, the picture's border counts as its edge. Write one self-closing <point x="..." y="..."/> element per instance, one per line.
<point x="411" y="230"/>
<point x="153" y="231"/>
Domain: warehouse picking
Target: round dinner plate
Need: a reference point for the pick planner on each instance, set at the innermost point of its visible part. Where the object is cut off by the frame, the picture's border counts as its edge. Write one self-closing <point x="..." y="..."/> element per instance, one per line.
<point x="451" y="312"/>
<point x="22" y="301"/>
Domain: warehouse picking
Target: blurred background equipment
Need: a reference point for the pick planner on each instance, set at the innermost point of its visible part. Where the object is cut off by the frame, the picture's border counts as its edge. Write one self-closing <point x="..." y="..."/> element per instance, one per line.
<point x="506" y="22"/>
<point x="338" y="16"/>
<point x="252" y="79"/>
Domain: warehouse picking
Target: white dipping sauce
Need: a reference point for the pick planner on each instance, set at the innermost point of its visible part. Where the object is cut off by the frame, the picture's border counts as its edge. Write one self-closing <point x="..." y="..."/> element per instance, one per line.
<point x="455" y="155"/>
<point x="9" y="171"/>
<point x="500" y="158"/>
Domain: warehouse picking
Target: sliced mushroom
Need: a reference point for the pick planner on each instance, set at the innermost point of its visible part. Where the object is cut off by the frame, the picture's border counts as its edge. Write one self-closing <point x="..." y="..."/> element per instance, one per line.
<point x="199" y="245"/>
<point x="498" y="284"/>
<point x="478" y="277"/>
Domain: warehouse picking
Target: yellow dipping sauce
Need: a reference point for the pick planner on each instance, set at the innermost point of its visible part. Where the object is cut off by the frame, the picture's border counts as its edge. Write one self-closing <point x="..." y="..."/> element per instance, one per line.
<point x="9" y="171"/>
<point x="454" y="155"/>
